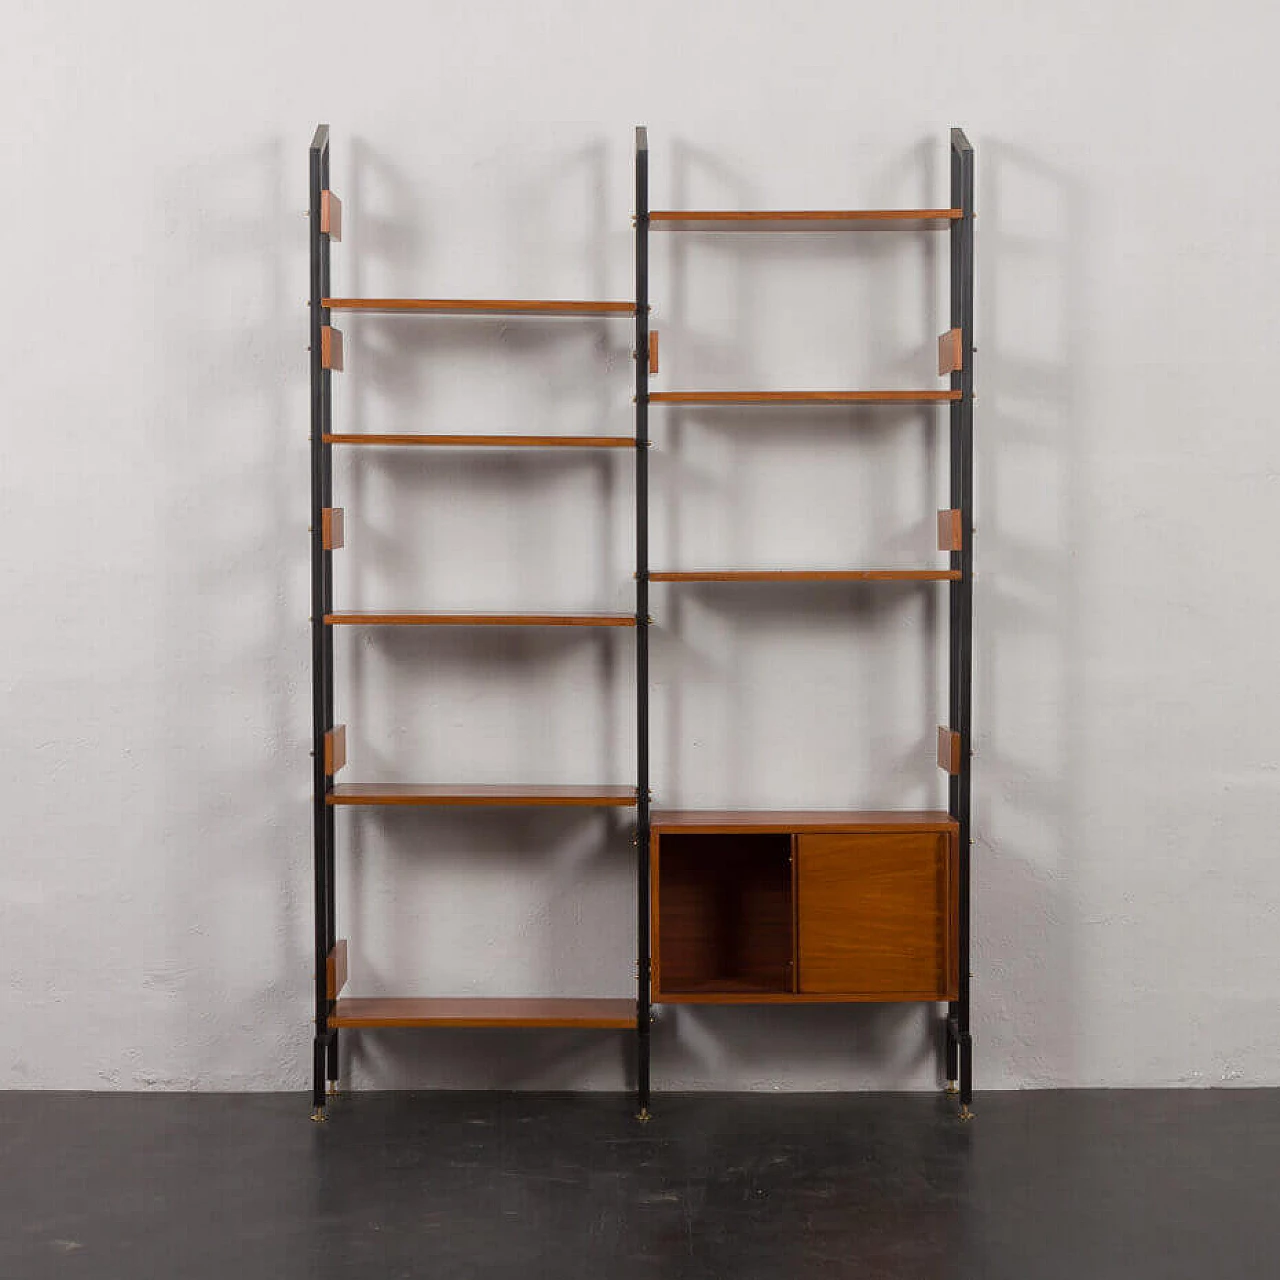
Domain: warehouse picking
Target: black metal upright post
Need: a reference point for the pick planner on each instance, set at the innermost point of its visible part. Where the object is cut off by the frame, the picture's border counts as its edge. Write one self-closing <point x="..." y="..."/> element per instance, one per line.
<point x="959" y="1036"/>
<point x="642" y="621"/>
<point x="325" y="1052"/>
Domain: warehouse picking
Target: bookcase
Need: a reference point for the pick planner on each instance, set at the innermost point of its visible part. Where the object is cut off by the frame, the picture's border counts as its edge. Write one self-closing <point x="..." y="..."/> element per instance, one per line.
<point x="733" y="906"/>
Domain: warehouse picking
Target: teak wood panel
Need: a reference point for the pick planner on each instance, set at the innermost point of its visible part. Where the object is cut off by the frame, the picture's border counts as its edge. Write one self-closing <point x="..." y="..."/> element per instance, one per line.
<point x="406" y="793"/>
<point x="336" y="969"/>
<point x="950" y="530"/>
<point x="877" y="916"/>
<point x="331" y="348"/>
<point x="950" y="352"/>
<point x="335" y="749"/>
<point x="761" y="218"/>
<point x="467" y="1011"/>
<point x="437" y="619"/>
<point x="333" y="530"/>
<point x="948" y="750"/>
<point x="482" y="306"/>
<point x="723" y="916"/>
<point x="805" y="575"/>
<point x="865" y="821"/>
<point x="802" y="397"/>
<point x="330" y="215"/>
<point x="653" y="351"/>
<point x="486" y="442"/>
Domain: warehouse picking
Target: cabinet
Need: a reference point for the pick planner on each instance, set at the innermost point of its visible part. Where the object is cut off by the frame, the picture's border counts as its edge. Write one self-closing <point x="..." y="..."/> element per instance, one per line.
<point x="766" y="908"/>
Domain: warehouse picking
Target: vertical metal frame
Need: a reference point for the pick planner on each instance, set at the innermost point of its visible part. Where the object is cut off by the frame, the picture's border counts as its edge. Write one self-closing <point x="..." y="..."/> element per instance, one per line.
<point x="959" y="1037"/>
<point x="644" y="971"/>
<point x="325" y="1049"/>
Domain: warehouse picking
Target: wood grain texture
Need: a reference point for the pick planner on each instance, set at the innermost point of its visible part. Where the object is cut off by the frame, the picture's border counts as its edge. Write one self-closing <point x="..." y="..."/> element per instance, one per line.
<point x="719" y="996"/>
<point x="805" y="575"/>
<point x="722" y="912"/>
<point x="950" y="352"/>
<point x="330" y="215"/>
<point x="336" y="969"/>
<point x="950" y="530"/>
<point x="333" y="528"/>
<point x="468" y="1011"/>
<point x="486" y="442"/>
<point x="467" y="619"/>
<point x="802" y="397"/>
<point x="876" y="916"/>
<point x="764" y="219"/>
<point x="408" y="793"/>
<point x="331" y="348"/>
<point x="653" y="351"/>
<point x="948" y="750"/>
<point x="335" y="749"/>
<point x="481" y="306"/>
<point x="852" y="821"/>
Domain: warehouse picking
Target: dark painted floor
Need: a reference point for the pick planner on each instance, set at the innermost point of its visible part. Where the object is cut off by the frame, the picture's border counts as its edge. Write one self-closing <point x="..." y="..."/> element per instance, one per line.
<point x="1038" y="1186"/>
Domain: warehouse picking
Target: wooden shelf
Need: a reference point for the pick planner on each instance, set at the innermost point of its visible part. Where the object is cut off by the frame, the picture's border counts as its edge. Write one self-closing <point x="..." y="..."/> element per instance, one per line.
<point x="435" y="619"/>
<point x="713" y="995"/>
<point x="806" y="575"/>
<point x="775" y="821"/>
<point x="480" y="306"/>
<point x="794" y="219"/>
<point x="467" y="1011"/>
<point x="488" y="442"/>
<point x="803" y="397"/>
<point x="407" y="793"/>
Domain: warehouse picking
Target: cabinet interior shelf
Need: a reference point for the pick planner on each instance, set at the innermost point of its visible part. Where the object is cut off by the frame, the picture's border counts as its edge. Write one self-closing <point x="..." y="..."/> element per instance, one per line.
<point x="467" y="619"/>
<point x="803" y="397"/>
<point x="468" y="1011"/>
<point x="806" y="575"/>
<point x="793" y="219"/>
<point x="480" y="306"/>
<point x="475" y="795"/>
<point x="486" y="442"/>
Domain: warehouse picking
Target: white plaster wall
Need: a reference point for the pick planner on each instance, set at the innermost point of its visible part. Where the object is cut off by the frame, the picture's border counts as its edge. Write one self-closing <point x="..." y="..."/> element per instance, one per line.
<point x="154" y="867"/>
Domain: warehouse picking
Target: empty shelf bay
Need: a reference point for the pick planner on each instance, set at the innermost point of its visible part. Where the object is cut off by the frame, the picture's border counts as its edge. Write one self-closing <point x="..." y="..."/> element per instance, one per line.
<point x="803" y="397"/>
<point x="795" y="219"/>
<point x="469" y="619"/>
<point x="479" y="306"/>
<point x="470" y="1011"/>
<point x="487" y="442"/>
<point x="477" y="795"/>
<point x="806" y="575"/>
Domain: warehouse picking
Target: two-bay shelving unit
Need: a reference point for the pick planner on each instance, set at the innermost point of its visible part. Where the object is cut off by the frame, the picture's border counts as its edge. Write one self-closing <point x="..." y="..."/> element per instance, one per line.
<point x="734" y="906"/>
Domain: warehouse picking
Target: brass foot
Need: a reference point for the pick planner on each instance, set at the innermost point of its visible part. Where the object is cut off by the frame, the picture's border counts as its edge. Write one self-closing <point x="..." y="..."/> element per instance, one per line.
<point x="318" y="1116"/>
<point x="951" y="1087"/>
<point x="643" y="1115"/>
<point x="965" y="1114"/>
<point x="333" y="1088"/>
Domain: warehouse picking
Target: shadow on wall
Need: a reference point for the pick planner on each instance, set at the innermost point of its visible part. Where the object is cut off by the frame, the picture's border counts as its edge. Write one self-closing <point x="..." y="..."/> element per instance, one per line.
<point x="230" y="986"/>
<point x="1029" y="707"/>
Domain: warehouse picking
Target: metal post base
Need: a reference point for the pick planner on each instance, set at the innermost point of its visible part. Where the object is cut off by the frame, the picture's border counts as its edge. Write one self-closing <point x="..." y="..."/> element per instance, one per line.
<point x="318" y="1115"/>
<point x="644" y="1115"/>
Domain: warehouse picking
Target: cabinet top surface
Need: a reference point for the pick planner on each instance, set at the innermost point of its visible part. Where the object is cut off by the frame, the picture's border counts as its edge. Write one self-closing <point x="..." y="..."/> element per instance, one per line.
<point x="802" y="820"/>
